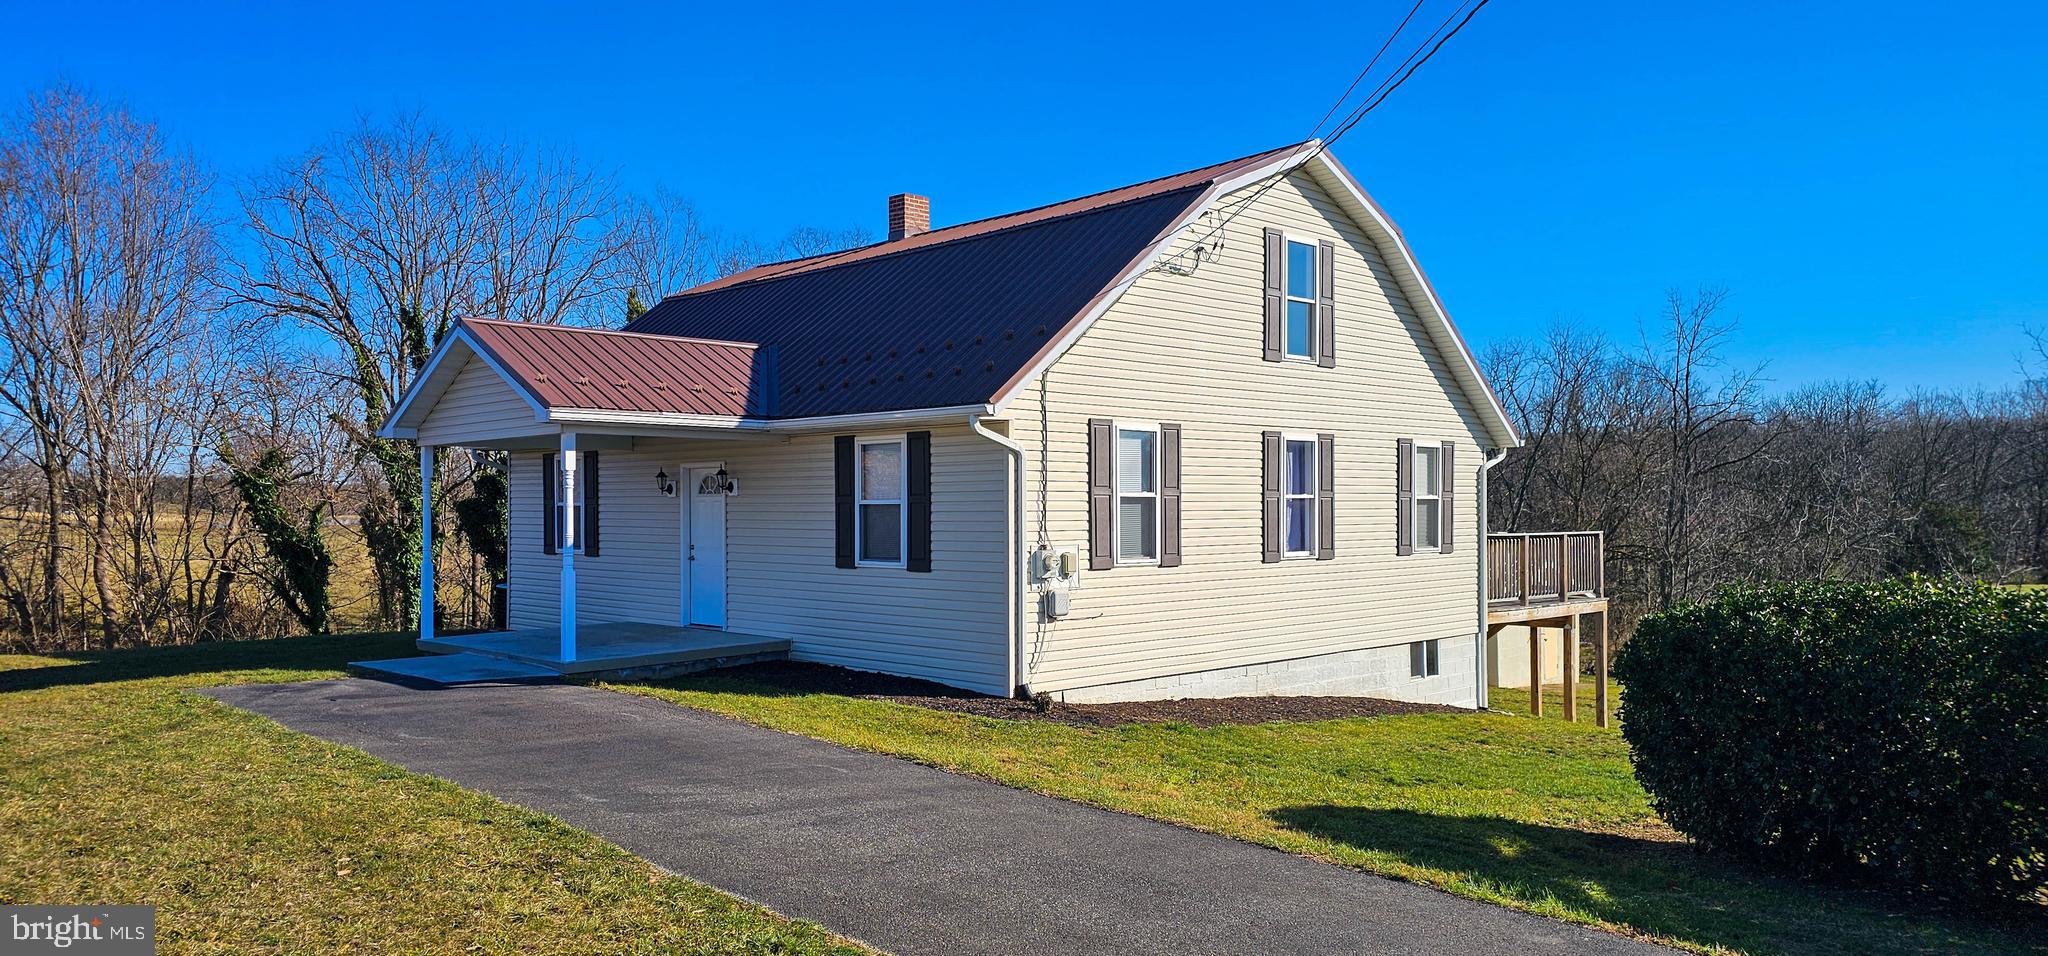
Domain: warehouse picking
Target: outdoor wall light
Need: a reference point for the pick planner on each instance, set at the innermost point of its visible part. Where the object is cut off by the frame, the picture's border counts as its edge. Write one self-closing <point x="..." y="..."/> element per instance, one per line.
<point x="662" y="482"/>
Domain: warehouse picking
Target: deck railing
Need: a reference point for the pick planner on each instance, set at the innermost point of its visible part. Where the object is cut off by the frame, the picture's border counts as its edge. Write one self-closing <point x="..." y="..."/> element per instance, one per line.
<point x="1549" y="568"/>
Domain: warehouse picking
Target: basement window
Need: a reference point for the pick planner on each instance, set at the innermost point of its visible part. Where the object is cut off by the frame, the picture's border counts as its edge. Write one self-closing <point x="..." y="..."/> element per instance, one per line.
<point x="1425" y="659"/>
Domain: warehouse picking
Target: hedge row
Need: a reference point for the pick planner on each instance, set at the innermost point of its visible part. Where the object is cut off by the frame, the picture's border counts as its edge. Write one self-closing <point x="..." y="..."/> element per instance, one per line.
<point x="1895" y="731"/>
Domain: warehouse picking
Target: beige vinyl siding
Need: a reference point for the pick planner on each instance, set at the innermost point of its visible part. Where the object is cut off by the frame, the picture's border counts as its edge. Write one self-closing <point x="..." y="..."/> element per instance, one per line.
<point x="636" y="575"/>
<point x="948" y="625"/>
<point x="1187" y="349"/>
<point x="478" y="406"/>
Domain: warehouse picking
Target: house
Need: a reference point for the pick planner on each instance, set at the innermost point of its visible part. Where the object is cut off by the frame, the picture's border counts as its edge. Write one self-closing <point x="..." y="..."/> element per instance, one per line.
<point x="1211" y="434"/>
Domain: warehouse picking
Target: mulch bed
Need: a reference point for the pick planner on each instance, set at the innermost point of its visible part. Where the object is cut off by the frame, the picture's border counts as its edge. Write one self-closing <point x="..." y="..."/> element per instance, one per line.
<point x="800" y="677"/>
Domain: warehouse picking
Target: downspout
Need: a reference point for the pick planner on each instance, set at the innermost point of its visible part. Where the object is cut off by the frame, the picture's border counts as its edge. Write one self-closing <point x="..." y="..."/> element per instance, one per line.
<point x="1493" y="457"/>
<point x="1014" y="573"/>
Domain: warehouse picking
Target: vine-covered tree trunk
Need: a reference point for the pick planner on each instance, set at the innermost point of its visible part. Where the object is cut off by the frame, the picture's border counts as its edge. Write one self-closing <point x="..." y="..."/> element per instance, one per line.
<point x="305" y="564"/>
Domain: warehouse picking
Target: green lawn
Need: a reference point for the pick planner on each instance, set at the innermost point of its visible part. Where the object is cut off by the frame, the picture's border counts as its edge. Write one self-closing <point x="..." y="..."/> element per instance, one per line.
<point x="118" y="787"/>
<point x="1538" y="815"/>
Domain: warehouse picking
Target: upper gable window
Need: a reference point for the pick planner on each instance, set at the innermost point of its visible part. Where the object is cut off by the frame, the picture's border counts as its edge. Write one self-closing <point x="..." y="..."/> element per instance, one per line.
<point x="1301" y="299"/>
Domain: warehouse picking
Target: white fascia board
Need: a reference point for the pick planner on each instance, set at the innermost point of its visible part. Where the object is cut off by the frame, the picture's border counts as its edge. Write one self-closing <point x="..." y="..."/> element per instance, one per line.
<point x="1416" y="286"/>
<point x="461" y="336"/>
<point x="1142" y="264"/>
<point x="592" y="416"/>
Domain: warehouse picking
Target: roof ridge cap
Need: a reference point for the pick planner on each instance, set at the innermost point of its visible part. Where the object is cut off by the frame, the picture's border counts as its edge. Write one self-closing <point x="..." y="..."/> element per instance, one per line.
<point x="735" y="343"/>
<point x="1289" y="147"/>
<point x="1005" y="230"/>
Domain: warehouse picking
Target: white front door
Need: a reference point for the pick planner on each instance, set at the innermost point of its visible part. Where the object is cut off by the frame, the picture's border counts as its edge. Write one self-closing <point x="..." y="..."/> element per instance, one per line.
<point x="703" y="548"/>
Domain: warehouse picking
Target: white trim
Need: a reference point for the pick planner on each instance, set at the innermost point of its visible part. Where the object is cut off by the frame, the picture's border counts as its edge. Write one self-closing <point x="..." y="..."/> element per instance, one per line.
<point x="685" y="498"/>
<point x="1431" y="647"/>
<point x="1314" y="244"/>
<point x="1143" y="264"/>
<point x="1418" y="290"/>
<point x="1117" y="427"/>
<point x="1314" y="496"/>
<point x="902" y="500"/>
<point x="813" y="423"/>
<point x="1416" y="497"/>
<point x="455" y="334"/>
<point x="1415" y="283"/>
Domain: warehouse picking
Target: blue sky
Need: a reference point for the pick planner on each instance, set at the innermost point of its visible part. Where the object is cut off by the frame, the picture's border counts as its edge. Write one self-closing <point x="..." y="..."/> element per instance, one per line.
<point x="1867" y="178"/>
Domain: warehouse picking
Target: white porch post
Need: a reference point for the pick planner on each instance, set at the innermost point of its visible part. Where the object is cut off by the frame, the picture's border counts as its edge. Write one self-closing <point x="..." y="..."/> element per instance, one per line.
<point x="426" y="542"/>
<point x="570" y="542"/>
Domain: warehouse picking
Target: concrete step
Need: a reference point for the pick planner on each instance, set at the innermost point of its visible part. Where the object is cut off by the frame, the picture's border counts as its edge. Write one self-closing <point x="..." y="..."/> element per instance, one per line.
<point x="446" y="669"/>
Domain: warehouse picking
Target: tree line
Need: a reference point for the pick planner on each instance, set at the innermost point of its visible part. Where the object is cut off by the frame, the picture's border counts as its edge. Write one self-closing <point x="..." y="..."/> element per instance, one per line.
<point x="1701" y="478"/>
<point x="193" y="370"/>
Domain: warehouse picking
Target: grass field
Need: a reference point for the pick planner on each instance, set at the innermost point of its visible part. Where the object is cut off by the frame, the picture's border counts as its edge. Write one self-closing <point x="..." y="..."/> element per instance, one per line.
<point x="1538" y="815"/>
<point x="116" y="786"/>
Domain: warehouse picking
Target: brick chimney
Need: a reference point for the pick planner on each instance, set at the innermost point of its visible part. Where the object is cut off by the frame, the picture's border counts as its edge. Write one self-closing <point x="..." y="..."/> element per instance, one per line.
<point x="909" y="215"/>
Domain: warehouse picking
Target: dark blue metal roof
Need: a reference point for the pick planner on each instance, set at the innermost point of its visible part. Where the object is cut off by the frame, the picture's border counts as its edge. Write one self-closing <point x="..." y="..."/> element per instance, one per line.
<point x="937" y="324"/>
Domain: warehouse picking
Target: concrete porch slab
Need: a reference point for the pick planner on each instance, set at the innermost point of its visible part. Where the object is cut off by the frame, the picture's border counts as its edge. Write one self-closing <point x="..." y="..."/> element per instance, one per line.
<point x="448" y="669"/>
<point x="616" y="647"/>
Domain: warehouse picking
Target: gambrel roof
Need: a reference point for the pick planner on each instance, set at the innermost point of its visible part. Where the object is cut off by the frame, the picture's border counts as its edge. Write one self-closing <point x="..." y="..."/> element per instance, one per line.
<point x="961" y="316"/>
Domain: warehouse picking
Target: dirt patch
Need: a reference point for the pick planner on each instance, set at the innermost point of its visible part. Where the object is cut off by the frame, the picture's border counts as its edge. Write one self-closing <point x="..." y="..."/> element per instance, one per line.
<point x="798" y="677"/>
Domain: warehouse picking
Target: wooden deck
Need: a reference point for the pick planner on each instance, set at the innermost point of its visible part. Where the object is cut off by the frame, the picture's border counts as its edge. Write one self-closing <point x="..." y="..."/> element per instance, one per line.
<point x="1551" y="579"/>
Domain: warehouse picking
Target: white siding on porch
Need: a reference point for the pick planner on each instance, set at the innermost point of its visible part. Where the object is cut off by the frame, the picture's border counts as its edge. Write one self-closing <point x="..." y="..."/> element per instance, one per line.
<point x="635" y="575"/>
<point x="948" y="625"/>
<point x="479" y="405"/>
<point x="1187" y="349"/>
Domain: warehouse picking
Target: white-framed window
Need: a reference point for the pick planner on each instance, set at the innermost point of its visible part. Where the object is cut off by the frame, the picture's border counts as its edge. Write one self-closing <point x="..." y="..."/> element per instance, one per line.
<point x="1300" y="284"/>
<point x="554" y="478"/>
<point x="1425" y="659"/>
<point x="1137" y="493"/>
<point x="1429" y="496"/>
<point x="1299" y="473"/>
<point x="880" y="521"/>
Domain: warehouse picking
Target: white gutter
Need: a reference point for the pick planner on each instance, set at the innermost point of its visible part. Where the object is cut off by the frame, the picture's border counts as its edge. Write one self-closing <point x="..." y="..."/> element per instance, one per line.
<point x="595" y="416"/>
<point x="1493" y="457"/>
<point x="1015" y="572"/>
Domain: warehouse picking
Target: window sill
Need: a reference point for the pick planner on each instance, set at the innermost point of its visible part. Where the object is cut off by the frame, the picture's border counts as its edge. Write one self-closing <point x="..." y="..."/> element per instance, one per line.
<point x="898" y="565"/>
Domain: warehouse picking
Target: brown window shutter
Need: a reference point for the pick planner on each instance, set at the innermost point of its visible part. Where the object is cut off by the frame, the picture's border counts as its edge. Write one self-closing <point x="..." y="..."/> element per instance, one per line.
<point x="588" y="514"/>
<point x="1326" y="497"/>
<point x="918" y="550"/>
<point x="1276" y="297"/>
<point x="1404" y="496"/>
<point x="1101" y="494"/>
<point x="842" y="500"/>
<point x="1326" y="305"/>
<point x="1269" y="503"/>
<point x="1450" y="485"/>
<point x="547" y="503"/>
<point x="1169" y="496"/>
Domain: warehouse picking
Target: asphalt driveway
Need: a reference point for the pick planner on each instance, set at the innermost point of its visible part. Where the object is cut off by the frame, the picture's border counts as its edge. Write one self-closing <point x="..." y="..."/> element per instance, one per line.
<point x="903" y="857"/>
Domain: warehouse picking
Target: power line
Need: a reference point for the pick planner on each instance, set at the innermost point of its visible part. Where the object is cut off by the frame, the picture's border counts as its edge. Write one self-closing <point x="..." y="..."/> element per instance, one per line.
<point x="1391" y="37"/>
<point x="1371" y="102"/>
<point x="1340" y="131"/>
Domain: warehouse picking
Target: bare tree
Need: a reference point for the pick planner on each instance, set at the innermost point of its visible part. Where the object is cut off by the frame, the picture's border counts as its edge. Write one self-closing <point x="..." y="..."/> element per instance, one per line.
<point x="1706" y="423"/>
<point x="108" y="256"/>
<point x="380" y="238"/>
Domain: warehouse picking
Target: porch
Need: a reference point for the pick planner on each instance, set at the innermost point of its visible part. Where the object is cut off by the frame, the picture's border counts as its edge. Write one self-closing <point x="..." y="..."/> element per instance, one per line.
<point x="620" y="649"/>
<point x="1552" y="579"/>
